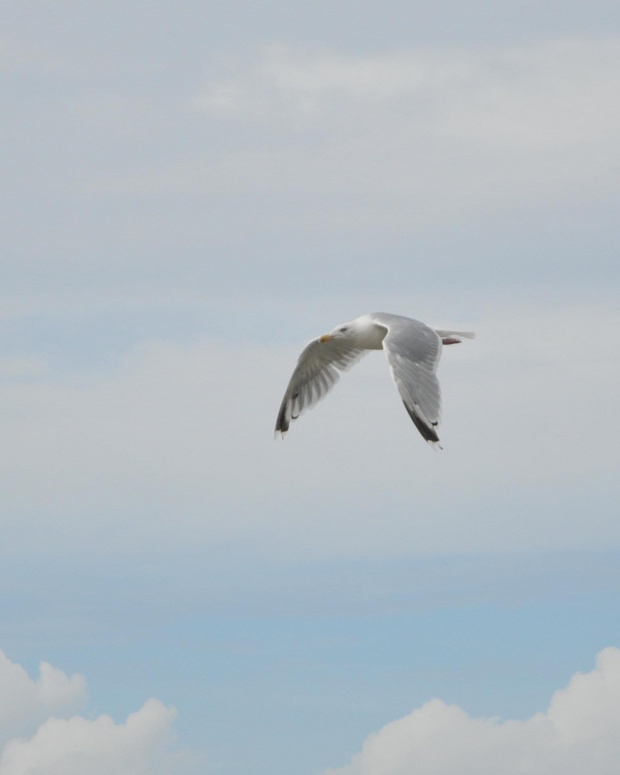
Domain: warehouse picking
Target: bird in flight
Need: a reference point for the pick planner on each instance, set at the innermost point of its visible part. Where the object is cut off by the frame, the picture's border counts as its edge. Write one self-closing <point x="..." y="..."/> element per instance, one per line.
<point x="412" y="348"/>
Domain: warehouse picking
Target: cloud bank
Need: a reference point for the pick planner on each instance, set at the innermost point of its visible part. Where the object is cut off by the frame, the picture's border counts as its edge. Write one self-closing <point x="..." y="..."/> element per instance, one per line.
<point x="451" y="129"/>
<point x="579" y="732"/>
<point x="484" y="163"/>
<point x="40" y="735"/>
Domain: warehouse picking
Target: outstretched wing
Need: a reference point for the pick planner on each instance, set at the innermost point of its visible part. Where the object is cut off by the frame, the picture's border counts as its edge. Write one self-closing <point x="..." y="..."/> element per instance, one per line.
<point x="315" y="375"/>
<point x="413" y="351"/>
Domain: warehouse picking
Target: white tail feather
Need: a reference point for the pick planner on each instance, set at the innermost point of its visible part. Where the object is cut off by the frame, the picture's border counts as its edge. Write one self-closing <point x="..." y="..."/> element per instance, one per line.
<point x="464" y="334"/>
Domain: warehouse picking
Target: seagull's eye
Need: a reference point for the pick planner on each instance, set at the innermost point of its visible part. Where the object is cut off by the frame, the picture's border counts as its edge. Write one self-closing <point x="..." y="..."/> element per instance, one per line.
<point x="344" y="328"/>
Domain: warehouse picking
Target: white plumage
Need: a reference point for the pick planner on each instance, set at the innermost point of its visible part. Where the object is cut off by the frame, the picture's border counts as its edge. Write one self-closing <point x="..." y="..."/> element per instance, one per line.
<point x="412" y="348"/>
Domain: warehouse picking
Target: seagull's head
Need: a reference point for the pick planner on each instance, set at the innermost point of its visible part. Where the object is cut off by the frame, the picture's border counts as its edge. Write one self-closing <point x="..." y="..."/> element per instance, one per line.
<point x="343" y="331"/>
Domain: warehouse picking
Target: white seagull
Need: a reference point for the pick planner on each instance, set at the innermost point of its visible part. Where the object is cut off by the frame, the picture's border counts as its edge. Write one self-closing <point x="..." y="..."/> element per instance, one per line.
<point x="412" y="348"/>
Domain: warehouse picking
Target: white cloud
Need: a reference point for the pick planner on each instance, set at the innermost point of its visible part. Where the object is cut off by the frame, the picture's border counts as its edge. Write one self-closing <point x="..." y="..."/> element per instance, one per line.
<point x="403" y="141"/>
<point x="423" y="134"/>
<point x="579" y="732"/>
<point x="544" y="95"/>
<point x="25" y="702"/>
<point x="41" y="737"/>
<point x="77" y="746"/>
<point x="316" y="153"/>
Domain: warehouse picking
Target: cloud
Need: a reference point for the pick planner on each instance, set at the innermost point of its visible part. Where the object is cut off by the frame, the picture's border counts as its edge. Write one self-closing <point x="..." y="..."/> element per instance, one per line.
<point x="579" y="732"/>
<point x="24" y="702"/>
<point x="444" y="131"/>
<point x="77" y="746"/>
<point x="399" y="140"/>
<point x="546" y="95"/>
<point x="41" y="737"/>
<point x="486" y="164"/>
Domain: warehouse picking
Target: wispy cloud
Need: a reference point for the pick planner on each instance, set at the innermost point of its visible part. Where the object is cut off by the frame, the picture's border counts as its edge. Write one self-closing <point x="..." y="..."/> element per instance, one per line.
<point x="409" y="137"/>
<point x="545" y="95"/>
<point x="453" y="128"/>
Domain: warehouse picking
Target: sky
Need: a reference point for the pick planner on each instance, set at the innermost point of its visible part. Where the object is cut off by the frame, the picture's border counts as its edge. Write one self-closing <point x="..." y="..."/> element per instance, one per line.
<point x="190" y="193"/>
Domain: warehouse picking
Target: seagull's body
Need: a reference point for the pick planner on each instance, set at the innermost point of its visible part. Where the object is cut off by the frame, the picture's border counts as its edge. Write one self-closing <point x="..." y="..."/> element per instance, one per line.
<point x="412" y="348"/>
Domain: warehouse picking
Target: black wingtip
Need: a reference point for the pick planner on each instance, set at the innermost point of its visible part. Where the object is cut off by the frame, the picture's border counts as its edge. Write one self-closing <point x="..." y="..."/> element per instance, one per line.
<point x="428" y="432"/>
<point x="282" y="424"/>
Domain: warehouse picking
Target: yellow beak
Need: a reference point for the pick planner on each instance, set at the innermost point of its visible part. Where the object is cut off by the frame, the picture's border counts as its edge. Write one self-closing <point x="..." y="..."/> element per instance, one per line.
<point x="325" y="338"/>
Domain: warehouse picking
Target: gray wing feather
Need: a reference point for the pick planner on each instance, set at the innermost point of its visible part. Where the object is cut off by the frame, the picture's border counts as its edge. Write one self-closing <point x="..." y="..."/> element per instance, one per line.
<point x="316" y="373"/>
<point x="413" y="351"/>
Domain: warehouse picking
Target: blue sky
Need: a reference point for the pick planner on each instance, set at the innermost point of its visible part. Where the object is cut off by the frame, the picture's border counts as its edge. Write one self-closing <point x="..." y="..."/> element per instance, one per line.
<point x="193" y="192"/>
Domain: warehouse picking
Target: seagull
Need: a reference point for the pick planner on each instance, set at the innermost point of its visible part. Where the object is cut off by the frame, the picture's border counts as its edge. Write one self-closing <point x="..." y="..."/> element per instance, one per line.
<point x="412" y="348"/>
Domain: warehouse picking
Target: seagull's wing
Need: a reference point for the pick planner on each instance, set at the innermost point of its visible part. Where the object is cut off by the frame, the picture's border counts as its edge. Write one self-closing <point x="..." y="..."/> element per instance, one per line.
<point x="315" y="375"/>
<point x="413" y="351"/>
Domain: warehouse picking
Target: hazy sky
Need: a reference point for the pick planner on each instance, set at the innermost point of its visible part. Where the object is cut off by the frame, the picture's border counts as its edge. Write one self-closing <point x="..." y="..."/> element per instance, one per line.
<point x="190" y="193"/>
